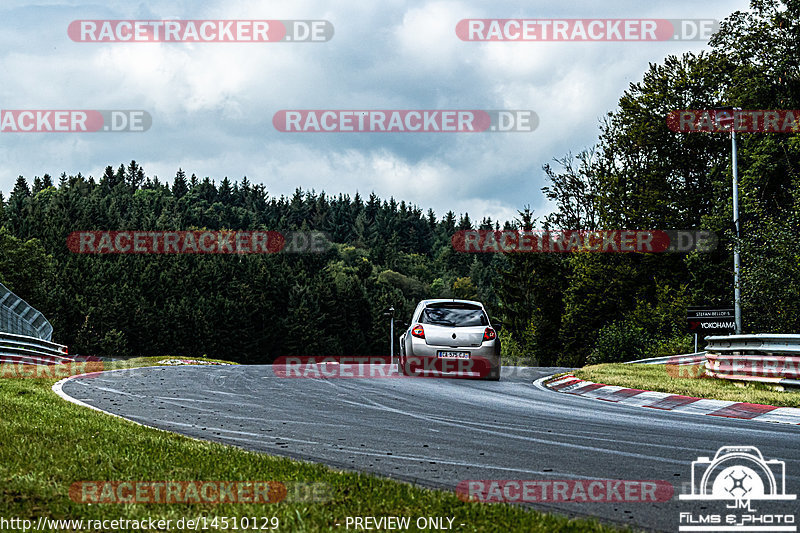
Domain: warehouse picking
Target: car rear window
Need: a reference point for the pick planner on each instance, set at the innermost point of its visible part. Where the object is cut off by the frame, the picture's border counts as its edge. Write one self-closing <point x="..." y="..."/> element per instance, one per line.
<point x="454" y="316"/>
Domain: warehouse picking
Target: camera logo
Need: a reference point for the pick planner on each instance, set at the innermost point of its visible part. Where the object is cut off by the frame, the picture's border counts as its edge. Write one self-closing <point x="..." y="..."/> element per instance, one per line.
<point x="735" y="477"/>
<point x="738" y="473"/>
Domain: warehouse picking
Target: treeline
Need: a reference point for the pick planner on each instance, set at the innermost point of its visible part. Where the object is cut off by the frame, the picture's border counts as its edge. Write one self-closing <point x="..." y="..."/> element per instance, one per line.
<point x="249" y="308"/>
<point x="563" y="309"/>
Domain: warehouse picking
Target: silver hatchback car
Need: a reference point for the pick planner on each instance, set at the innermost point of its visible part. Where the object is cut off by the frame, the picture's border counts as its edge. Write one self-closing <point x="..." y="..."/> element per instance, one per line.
<point x="450" y="336"/>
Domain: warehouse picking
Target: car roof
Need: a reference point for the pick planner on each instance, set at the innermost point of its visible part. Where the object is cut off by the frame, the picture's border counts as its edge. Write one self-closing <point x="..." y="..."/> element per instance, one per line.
<point x="449" y="300"/>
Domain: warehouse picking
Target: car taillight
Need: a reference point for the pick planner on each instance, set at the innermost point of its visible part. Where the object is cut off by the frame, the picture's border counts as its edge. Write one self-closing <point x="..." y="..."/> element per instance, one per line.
<point x="417" y="331"/>
<point x="489" y="334"/>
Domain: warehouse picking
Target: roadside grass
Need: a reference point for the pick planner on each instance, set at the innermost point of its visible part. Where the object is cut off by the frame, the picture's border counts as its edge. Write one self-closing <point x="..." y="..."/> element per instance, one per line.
<point x="681" y="380"/>
<point x="49" y="444"/>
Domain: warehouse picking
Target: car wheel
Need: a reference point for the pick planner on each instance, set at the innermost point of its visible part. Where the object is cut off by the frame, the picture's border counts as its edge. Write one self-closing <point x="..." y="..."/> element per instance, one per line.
<point x="402" y="366"/>
<point x="494" y="374"/>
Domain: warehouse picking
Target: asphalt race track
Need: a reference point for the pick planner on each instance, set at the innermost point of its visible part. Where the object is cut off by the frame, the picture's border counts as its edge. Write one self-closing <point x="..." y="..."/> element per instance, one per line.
<point x="437" y="432"/>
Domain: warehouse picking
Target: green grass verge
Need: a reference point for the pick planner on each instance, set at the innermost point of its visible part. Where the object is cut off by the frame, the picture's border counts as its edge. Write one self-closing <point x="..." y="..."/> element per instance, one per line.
<point x="48" y="444"/>
<point x="678" y="380"/>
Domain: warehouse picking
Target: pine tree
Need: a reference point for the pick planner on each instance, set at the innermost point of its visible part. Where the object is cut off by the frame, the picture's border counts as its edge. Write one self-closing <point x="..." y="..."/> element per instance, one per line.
<point x="179" y="186"/>
<point x="134" y="176"/>
<point x="225" y="192"/>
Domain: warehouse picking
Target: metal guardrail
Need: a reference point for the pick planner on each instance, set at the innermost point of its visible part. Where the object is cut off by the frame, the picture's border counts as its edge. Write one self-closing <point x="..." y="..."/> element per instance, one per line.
<point x="765" y="358"/>
<point x="22" y="349"/>
<point x="25" y="334"/>
<point x="16" y="316"/>
<point x="683" y="359"/>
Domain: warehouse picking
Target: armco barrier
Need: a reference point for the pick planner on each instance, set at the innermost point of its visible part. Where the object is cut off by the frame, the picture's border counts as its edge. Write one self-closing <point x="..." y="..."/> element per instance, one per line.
<point x="683" y="359"/>
<point x="764" y="357"/>
<point x="21" y="349"/>
<point x="17" y="316"/>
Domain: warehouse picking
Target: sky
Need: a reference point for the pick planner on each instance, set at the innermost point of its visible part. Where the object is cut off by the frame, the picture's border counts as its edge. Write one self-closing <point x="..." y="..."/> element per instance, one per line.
<point x="212" y="103"/>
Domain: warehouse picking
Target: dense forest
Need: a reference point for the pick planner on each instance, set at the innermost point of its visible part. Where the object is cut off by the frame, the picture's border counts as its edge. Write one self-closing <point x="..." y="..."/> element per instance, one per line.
<point x="565" y="309"/>
<point x="241" y="307"/>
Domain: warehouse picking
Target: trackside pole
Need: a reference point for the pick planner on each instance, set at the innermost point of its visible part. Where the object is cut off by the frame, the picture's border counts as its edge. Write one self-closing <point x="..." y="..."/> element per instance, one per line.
<point x="391" y="337"/>
<point x="737" y="262"/>
<point x="390" y="313"/>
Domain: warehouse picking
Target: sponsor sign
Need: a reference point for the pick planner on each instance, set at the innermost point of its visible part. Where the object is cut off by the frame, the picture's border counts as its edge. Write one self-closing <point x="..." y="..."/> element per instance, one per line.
<point x="709" y="320"/>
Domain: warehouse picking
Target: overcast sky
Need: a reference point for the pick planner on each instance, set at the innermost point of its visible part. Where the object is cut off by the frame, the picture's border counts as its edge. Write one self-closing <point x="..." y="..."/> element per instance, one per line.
<point x="212" y="103"/>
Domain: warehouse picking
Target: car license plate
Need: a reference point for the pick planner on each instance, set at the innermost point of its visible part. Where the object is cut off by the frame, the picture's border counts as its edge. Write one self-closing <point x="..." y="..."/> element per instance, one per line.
<point x="452" y="355"/>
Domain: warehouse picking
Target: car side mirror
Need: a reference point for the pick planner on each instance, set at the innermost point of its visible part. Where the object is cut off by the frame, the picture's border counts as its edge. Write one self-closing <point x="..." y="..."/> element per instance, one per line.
<point x="497" y="325"/>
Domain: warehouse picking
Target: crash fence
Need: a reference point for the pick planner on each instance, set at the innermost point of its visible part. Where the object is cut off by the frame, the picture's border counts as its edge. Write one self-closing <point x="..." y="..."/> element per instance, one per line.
<point x="25" y="333"/>
<point x="766" y="358"/>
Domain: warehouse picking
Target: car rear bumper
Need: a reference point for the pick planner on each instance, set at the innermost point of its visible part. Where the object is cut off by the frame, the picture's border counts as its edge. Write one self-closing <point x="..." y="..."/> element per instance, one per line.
<point x="477" y="365"/>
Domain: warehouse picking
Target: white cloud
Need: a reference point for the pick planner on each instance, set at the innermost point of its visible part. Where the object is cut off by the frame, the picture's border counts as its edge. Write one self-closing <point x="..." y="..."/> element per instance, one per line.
<point x="212" y="104"/>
